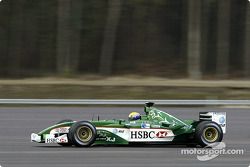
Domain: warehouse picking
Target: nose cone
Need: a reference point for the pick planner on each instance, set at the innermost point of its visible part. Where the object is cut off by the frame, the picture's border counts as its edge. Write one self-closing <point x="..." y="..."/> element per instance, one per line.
<point x="35" y="137"/>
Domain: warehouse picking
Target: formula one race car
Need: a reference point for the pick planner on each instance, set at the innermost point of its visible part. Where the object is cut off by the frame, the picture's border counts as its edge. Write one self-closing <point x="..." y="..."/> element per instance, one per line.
<point x="155" y="127"/>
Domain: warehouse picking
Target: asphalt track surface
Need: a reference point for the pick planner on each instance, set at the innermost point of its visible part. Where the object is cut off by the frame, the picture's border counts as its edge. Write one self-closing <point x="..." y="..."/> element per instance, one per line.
<point x="17" y="123"/>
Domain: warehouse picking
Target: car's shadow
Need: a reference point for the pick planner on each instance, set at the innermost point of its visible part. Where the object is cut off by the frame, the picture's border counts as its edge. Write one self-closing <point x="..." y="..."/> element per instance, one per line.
<point x="124" y="146"/>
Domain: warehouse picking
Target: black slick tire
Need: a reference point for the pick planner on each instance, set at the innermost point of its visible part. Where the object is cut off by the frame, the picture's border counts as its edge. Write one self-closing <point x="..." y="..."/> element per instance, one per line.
<point x="208" y="132"/>
<point x="82" y="134"/>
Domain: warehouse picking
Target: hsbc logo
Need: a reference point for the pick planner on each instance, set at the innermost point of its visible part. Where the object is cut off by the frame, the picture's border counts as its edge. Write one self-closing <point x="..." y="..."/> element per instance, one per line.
<point x="148" y="134"/>
<point x="62" y="140"/>
<point x="51" y="140"/>
<point x="142" y="134"/>
<point x="162" y="134"/>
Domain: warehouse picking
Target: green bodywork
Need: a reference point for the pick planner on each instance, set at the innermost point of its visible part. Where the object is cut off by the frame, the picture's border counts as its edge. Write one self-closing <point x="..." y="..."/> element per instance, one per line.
<point x="183" y="130"/>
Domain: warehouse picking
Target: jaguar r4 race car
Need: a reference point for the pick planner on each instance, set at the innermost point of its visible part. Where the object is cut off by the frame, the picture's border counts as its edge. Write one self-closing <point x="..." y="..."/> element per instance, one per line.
<point x="154" y="127"/>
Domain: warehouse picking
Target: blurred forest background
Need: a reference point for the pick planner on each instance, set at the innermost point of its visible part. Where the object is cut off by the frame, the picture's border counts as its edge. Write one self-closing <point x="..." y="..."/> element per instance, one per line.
<point x="199" y="39"/>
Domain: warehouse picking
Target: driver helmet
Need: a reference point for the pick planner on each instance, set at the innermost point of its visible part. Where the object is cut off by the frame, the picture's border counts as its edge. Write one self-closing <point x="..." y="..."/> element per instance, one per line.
<point x="134" y="116"/>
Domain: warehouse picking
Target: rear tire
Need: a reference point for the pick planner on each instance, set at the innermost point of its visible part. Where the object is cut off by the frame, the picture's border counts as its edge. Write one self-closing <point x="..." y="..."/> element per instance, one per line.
<point x="69" y="142"/>
<point x="208" y="132"/>
<point x="82" y="134"/>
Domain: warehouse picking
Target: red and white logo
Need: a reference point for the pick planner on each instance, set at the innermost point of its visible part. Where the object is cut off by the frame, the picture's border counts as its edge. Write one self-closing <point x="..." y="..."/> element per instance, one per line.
<point x="62" y="140"/>
<point x="162" y="134"/>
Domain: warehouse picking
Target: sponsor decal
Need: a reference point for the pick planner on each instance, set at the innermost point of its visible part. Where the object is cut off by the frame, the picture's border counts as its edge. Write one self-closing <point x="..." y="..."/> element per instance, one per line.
<point x="63" y="140"/>
<point x="162" y="134"/>
<point x="121" y="131"/>
<point x="50" y="138"/>
<point x="110" y="139"/>
<point x="115" y="131"/>
<point x="102" y="135"/>
<point x="142" y="134"/>
<point x="157" y="115"/>
<point x="60" y="130"/>
<point x="222" y="120"/>
<point x="100" y="138"/>
<point x="148" y="134"/>
<point x="104" y="132"/>
<point x="145" y="125"/>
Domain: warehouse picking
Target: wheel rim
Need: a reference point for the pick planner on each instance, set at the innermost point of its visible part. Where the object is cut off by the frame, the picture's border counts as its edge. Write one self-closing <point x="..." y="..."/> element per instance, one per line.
<point x="210" y="134"/>
<point x="84" y="133"/>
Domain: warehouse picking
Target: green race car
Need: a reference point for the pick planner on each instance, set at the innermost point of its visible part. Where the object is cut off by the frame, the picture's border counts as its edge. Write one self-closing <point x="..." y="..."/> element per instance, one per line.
<point x="155" y="127"/>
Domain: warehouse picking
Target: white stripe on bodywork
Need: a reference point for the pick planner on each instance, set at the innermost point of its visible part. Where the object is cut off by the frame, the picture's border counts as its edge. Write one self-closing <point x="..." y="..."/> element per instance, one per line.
<point x="141" y="135"/>
<point x="64" y="129"/>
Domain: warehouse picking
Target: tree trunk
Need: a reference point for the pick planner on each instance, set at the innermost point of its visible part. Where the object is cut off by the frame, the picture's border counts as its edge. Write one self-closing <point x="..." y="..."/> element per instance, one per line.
<point x="223" y="44"/>
<point x="15" y="34"/>
<point x="2" y="51"/>
<point x="76" y="22"/>
<point x="63" y="36"/>
<point x="194" y="39"/>
<point x="46" y="37"/>
<point x="247" y="43"/>
<point x="109" y="39"/>
<point x="206" y="10"/>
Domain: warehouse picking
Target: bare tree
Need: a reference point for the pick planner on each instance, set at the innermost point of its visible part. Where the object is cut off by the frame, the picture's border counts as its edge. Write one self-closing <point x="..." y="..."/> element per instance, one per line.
<point x="223" y="39"/>
<point x="109" y="39"/>
<point x="194" y="39"/>
<point x="247" y="43"/>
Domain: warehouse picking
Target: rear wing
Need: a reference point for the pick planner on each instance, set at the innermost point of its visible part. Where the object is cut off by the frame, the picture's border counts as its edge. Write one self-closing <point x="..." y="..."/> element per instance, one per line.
<point x="218" y="117"/>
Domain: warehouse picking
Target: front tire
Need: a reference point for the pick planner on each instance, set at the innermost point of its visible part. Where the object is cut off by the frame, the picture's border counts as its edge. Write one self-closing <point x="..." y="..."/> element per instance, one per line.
<point x="82" y="134"/>
<point x="208" y="132"/>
